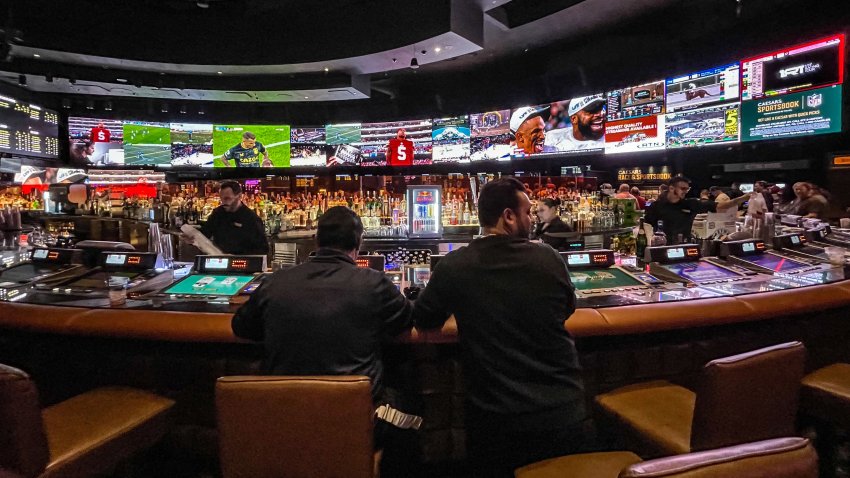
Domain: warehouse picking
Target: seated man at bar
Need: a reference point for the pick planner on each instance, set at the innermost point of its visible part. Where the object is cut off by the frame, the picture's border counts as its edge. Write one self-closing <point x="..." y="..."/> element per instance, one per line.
<point x="233" y="227"/>
<point x="510" y="297"/>
<point x="678" y="212"/>
<point x="328" y="316"/>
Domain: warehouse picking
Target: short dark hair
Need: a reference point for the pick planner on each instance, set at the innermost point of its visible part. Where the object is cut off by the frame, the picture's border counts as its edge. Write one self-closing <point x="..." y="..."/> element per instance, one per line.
<point x="678" y="179"/>
<point x="339" y="228"/>
<point x="495" y="197"/>
<point x="233" y="185"/>
<point x="248" y="135"/>
<point x="551" y="202"/>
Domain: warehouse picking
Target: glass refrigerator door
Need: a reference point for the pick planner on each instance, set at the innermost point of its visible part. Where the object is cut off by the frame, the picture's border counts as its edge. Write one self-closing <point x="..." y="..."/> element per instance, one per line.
<point x="424" y="211"/>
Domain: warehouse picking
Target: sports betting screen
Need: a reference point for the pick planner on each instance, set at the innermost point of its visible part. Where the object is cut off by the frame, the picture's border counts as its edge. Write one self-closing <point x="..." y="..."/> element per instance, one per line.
<point x="703" y="127"/>
<point x="636" y="101"/>
<point x="704" y="88"/>
<point x="397" y="143"/>
<point x="490" y="136"/>
<point x="28" y="129"/>
<point x="343" y="140"/>
<point x="795" y="114"/>
<point x="245" y="146"/>
<point x="146" y="143"/>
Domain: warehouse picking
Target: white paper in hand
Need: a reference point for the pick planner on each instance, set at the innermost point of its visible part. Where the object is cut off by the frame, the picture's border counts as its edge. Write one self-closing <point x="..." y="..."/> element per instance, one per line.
<point x="201" y="242"/>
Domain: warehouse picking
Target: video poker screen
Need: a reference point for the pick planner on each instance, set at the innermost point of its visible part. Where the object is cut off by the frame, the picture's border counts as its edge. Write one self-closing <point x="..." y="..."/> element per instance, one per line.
<point x="228" y="143"/>
<point x="704" y="88"/>
<point x="809" y="65"/>
<point x="207" y="284"/>
<point x="602" y="279"/>
<point x="28" y="129"/>
<point x="700" y="271"/>
<point x="636" y="101"/>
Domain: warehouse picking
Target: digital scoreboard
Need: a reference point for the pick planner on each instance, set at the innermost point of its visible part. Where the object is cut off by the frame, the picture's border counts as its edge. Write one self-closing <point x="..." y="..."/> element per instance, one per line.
<point x="28" y="129"/>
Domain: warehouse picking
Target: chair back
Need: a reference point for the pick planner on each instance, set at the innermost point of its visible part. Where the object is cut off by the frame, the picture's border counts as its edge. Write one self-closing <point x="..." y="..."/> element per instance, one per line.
<point x="23" y="444"/>
<point x="748" y="397"/>
<point x="319" y="426"/>
<point x="776" y="458"/>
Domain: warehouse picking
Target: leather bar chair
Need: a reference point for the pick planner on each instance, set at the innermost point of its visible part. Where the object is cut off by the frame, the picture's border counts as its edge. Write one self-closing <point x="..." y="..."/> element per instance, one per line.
<point x="743" y="398"/>
<point x="825" y="394"/>
<point x="775" y="458"/>
<point x="86" y="435"/>
<point x="318" y="426"/>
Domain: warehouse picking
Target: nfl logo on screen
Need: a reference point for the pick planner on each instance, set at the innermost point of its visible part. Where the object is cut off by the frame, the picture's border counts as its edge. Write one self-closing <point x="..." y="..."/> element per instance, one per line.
<point x="813" y="101"/>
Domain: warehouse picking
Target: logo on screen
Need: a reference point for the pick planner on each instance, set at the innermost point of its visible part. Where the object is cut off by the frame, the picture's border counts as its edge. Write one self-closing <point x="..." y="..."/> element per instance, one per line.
<point x="799" y="70"/>
<point x="815" y="100"/>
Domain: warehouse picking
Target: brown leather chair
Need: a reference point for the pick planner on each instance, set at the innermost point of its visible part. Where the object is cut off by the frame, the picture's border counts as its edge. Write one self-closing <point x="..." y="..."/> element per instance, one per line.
<point x="319" y="426"/>
<point x="743" y="398"/>
<point x="775" y="458"/>
<point x="86" y="435"/>
<point x="826" y="394"/>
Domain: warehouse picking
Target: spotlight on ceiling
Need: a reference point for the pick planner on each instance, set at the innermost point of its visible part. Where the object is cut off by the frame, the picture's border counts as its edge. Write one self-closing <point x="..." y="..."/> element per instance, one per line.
<point x="22" y="80"/>
<point x="90" y="104"/>
<point x="414" y="63"/>
<point x="164" y="108"/>
<point x="66" y="103"/>
<point x="107" y="106"/>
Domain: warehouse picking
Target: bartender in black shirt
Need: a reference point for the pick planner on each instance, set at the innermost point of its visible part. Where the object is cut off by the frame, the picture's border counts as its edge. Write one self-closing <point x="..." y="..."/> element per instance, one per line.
<point x="233" y="227"/>
<point x="678" y="211"/>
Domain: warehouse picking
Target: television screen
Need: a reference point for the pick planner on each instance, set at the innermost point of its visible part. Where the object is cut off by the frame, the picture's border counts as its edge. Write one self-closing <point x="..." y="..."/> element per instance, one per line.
<point x="636" y="101"/>
<point x="702" y="127"/>
<point x="343" y="133"/>
<point x="146" y="143"/>
<point x="451" y="139"/>
<point x="251" y="146"/>
<point x="634" y="135"/>
<point x="577" y="125"/>
<point x="33" y="175"/>
<point x="192" y="145"/>
<point x="528" y="125"/>
<point x="490" y="135"/>
<point x="795" y="114"/>
<point x="308" y="147"/>
<point x="705" y="88"/>
<point x="810" y="65"/>
<point x="406" y="143"/>
<point x="28" y="129"/>
<point x="96" y="141"/>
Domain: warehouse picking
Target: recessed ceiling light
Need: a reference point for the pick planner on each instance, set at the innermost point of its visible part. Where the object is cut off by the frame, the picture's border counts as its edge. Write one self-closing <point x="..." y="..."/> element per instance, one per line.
<point x="121" y="80"/>
<point x="327" y="69"/>
<point x="36" y="55"/>
<point x="306" y="97"/>
<point x="437" y="49"/>
<point x="218" y="72"/>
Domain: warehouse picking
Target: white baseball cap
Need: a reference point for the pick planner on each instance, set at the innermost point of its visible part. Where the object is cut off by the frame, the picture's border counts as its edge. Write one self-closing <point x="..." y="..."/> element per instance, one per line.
<point x="578" y="104"/>
<point x="521" y="115"/>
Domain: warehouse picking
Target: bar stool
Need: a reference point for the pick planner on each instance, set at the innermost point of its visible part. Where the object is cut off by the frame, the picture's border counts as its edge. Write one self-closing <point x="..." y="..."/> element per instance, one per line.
<point x="319" y="426"/>
<point x="86" y="435"/>
<point x="825" y="394"/>
<point x="743" y="398"/>
<point x="775" y="458"/>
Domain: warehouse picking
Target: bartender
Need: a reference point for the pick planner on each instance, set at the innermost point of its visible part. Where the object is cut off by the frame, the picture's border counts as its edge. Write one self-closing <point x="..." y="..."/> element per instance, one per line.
<point x="678" y="212"/>
<point x="550" y="221"/>
<point x="233" y="227"/>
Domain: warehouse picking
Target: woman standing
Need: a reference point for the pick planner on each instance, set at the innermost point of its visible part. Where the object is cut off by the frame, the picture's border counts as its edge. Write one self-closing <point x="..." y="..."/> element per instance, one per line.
<point x="550" y="221"/>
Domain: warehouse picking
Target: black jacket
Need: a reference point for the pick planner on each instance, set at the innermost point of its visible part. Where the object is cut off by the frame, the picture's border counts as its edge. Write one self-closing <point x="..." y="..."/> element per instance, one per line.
<point x="325" y="317"/>
<point x="557" y="225"/>
<point x="240" y="232"/>
<point x="510" y="298"/>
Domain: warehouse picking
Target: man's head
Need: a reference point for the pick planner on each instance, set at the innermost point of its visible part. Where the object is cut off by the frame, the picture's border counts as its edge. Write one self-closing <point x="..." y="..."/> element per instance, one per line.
<point x="736" y="186"/>
<point x="528" y="129"/>
<point x="714" y="191"/>
<point x="100" y="124"/>
<point x="402" y="134"/>
<point x="635" y="191"/>
<point x="677" y="189"/>
<point x="587" y="115"/>
<point x="504" y="208"/>
<point x="340" y="228"/>
<point x="624" y="188"/>
<point x="249" y="140"/>
<point x="760" y="186"/>
<point x="803" y="190"/>
<point x="230" y="194"/>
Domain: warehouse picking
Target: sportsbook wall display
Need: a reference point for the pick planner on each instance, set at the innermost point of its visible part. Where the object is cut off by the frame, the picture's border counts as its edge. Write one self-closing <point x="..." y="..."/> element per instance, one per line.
<point x="791" y="92"/>
<point x="28" y="129"/>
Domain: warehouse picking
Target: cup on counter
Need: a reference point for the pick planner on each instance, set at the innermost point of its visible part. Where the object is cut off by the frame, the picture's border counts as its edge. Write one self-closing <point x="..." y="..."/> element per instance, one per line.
<point x="117" y="295"/>
<point x="844" y="222"/>
<point x="835" y="255"/>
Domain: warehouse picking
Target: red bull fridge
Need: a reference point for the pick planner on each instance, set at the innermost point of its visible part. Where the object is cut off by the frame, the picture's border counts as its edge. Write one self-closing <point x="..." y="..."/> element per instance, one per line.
<point x="424" y="211"/>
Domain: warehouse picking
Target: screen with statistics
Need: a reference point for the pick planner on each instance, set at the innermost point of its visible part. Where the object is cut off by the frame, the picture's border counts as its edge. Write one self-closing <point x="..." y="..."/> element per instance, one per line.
<point x="251" y="146"/>
<point x="27" y="129"/>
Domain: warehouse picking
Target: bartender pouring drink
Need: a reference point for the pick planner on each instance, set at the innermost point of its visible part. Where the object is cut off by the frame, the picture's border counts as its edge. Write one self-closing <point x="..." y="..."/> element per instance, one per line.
<point x="233" y="227"/>
<point x="678" y="212"/>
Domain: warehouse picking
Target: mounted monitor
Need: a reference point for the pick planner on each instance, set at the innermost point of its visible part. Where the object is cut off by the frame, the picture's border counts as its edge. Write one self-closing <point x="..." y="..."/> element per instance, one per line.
<point x="147" y="143"/>
<point x="192" y="145"/>
<point x="27" y="129"/>
<point x="451" y="140"/>
<point x="796" y="114"/>
<point x="705" y="88"/>
<point x="251" y="146"/>
<point x="308" y="147"/>
<point x="636" y="101"/>
<point x="704" y="126"/>
<point x="635" y="135"/>
<point x="395" y="143"/>
<point x="577" y="125"/>
<point x="343" y="140"/>
<point x="96" y="141"/>
<point x="490" y="136"/>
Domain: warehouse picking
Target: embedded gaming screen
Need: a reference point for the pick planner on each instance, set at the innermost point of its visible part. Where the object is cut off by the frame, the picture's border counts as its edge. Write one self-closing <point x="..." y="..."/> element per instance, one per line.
<point x="490" y="135"/>
<point x="704" y="88"/>
<point x="636" y="101"/>
<point x="602" y="279"/>
<point x="795" y="114"/>
<point x="703" y="127"/>
<point x="810" y="65"/>
<point x="28" y="129"/>
<point x="146" y="143"/>
<point x="774" y="262"/>
<point x="210" y="284"/>
<point x="192" y="145"/>
<point x="451" y="140"/>
<point x="308" y="147"/>
<point x="269" y="147"/>
<point x="96" y="141"/>
<point x="576" y="125"/>
<point x="700" y="271"/>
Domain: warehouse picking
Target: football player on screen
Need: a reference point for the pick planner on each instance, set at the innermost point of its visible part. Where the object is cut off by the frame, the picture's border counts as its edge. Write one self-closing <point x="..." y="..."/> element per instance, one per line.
<point x="247" y="153"/>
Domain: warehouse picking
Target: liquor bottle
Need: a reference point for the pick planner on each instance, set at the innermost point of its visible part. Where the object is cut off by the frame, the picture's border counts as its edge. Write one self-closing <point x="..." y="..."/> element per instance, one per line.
<point x="640" y="243"/>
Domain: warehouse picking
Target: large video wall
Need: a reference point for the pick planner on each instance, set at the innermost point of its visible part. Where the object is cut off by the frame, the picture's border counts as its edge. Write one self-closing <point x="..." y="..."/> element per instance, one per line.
<point x="795" y="91"/>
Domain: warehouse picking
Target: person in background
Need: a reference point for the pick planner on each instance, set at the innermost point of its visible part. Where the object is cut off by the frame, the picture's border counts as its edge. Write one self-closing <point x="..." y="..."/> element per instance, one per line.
<point x="705" y="195"/>
<point x="550" y="221"/>
<point x="525" y="398"/>
<point x="717" y="195"/>
<point x="641" y="201"/>
<point x="606" y="190"/>
<point x="787" y="201"/>
<point x="233" y="227"/>
<point x="623" y="192"/>
<point x="810" y="202"/>
<point x="735" y="191"/>
<point x="761" y="187"/>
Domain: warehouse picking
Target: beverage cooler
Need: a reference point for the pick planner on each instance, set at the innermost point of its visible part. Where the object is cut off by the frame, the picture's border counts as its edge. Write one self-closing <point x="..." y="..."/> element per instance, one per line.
<point x="424" y="211"/>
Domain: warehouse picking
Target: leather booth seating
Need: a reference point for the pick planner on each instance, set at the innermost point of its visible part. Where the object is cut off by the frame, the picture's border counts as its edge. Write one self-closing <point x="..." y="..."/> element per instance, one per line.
<point x="826" y="394"/>
<point x="742" y="398"/>
<point x="86" y="435"/>
<point x="306" y="426"/>
<point x="775" y="458"/>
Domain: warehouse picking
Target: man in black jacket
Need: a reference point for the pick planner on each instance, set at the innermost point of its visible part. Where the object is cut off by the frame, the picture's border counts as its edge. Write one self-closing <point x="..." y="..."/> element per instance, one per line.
<point x="510" y="297"/>
<point x="233" y="227"/>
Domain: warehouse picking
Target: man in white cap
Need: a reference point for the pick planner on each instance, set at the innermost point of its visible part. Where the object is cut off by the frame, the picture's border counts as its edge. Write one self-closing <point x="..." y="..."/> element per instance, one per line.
<point x="528" y="128"/>
<point x="587" y="117"/>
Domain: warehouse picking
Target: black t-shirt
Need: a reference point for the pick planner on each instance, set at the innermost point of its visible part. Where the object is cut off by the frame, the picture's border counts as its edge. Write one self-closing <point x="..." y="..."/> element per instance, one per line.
<point x="678" y="217"/>
<point x="240" y="232"/>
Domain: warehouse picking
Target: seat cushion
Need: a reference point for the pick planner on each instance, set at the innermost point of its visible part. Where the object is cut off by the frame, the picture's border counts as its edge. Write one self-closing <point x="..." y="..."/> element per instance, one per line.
<point x="658" y="414"/>
<point x="826" y="394"/>
<point x="96" y="430"/>
<point x="590" y="465"/>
